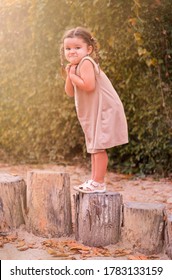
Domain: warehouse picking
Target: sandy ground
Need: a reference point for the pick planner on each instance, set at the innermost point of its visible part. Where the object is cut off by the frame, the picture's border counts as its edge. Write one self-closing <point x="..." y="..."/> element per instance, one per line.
<point x="23" y="245"/>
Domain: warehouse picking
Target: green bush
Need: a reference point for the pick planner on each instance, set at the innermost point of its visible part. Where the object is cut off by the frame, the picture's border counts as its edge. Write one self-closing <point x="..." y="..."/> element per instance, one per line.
<point x="38" y="121"/>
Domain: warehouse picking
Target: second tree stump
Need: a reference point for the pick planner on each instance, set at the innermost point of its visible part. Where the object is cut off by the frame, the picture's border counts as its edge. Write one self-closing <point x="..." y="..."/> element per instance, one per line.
<point x="49" y="203"/>
<point x="98" y="218"/>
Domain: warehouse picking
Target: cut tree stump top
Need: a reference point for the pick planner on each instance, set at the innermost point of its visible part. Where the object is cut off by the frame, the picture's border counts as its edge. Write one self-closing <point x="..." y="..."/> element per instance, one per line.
<point x="8" y="178"/>
<point x="144" y="206"/>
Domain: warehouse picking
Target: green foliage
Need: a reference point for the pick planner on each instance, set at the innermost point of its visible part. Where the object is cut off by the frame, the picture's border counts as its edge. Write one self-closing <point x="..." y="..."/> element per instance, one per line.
<point x="38" y="122"/>
<point x="35" y="113"/>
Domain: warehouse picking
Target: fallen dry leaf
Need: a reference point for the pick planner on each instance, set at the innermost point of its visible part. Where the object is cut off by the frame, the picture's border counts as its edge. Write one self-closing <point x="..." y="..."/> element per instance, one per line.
<point x="54" y="253"/>
<point x="73" y="245"/>
<point x="137" y="257"/>
<point x="72" y="258"/>
<point x="20" y="244"/>
<point x="85" y="256"/>
<point x="76" y="252"/>
<point x="24" y="248"/>
<point x="55" y="245"/>
<point x="32" y="245"/>
<point x="51" y="251"/>
<point x="61" y="248"/>
<point x="142" y="257"/>
<point x="131" y="257"/>
<point x="121" y="252"/>
<point x="79" y="248"/>
<point x="153" y="257"/>
<point x="12" y="237"/>
<point x="48" y="243"/>
<point x="101" y="252"/>
<point x="62" y="255"/>
<point x="70" y="242"/>
<point x="81" y="252"/>
<point x="4" y="241"/>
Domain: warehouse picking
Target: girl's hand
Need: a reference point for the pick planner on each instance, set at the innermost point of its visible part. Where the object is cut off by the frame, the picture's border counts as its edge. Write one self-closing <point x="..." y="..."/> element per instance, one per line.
<point x="73" y="69"/>
<point x="67" y="69"/>
<point x="86" y="80"/>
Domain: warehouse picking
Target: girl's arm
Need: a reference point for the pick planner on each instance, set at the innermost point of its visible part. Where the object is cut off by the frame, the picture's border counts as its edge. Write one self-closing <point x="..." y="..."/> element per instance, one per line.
<point x="86" y="81"/>
<point x="69" y="89"/>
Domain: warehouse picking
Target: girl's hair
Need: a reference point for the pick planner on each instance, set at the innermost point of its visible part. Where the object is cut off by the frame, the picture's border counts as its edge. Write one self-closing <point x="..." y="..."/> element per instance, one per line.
<point x="86" y="36"/>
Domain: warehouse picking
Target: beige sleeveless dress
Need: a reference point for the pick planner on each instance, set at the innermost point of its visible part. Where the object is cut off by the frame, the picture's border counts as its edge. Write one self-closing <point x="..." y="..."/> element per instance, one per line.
<point x="101" y="113"/>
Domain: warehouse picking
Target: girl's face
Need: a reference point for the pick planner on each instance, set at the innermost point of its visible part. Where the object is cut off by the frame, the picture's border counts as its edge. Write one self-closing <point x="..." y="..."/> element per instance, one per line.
<point x="75" y="49"/>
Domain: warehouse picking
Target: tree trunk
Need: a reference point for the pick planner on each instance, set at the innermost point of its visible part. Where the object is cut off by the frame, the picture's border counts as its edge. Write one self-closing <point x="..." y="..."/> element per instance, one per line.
<point x="12" y="202"/>
<point x="49" y="203"/>
<point x="168" y="236"/>
<point x="143" y="226"/>
<point x="98" y="218"/>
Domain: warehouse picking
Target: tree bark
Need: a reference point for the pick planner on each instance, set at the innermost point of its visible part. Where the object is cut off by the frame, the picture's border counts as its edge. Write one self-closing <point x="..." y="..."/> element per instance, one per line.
<point x="143" y="226"/>
<point x="49" y="203"/>
<point x="168" y="236"/>
<point x="98" y="218"/>
<point x="12" y="202"/>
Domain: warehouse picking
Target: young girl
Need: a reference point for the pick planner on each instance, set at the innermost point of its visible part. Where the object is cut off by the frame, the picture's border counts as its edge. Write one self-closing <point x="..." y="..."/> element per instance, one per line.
<point x="98" y="106"/>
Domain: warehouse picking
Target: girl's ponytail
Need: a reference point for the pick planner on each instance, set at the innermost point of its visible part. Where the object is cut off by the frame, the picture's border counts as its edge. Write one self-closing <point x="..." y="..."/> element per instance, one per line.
<point x="63" y="72"/>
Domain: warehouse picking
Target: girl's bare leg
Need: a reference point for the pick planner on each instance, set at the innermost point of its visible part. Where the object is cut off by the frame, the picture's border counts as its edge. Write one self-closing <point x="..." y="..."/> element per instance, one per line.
<point x="92" y="166"/>
<point x="99" y="166"/>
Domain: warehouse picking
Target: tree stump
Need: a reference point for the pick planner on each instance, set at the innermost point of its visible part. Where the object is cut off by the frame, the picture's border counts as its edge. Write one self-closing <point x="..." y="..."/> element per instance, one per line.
<point x="168" y="236"/>
<point x="98" y="218"/>
<point x="49" y="203"/>
<point x="12" y="202"/>
<point x="143" y="226"/>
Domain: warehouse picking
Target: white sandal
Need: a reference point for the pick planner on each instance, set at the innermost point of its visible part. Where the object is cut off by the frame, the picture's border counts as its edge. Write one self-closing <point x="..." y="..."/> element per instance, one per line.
<point x="84" y="185"/>
<point x="91" y="187"/>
